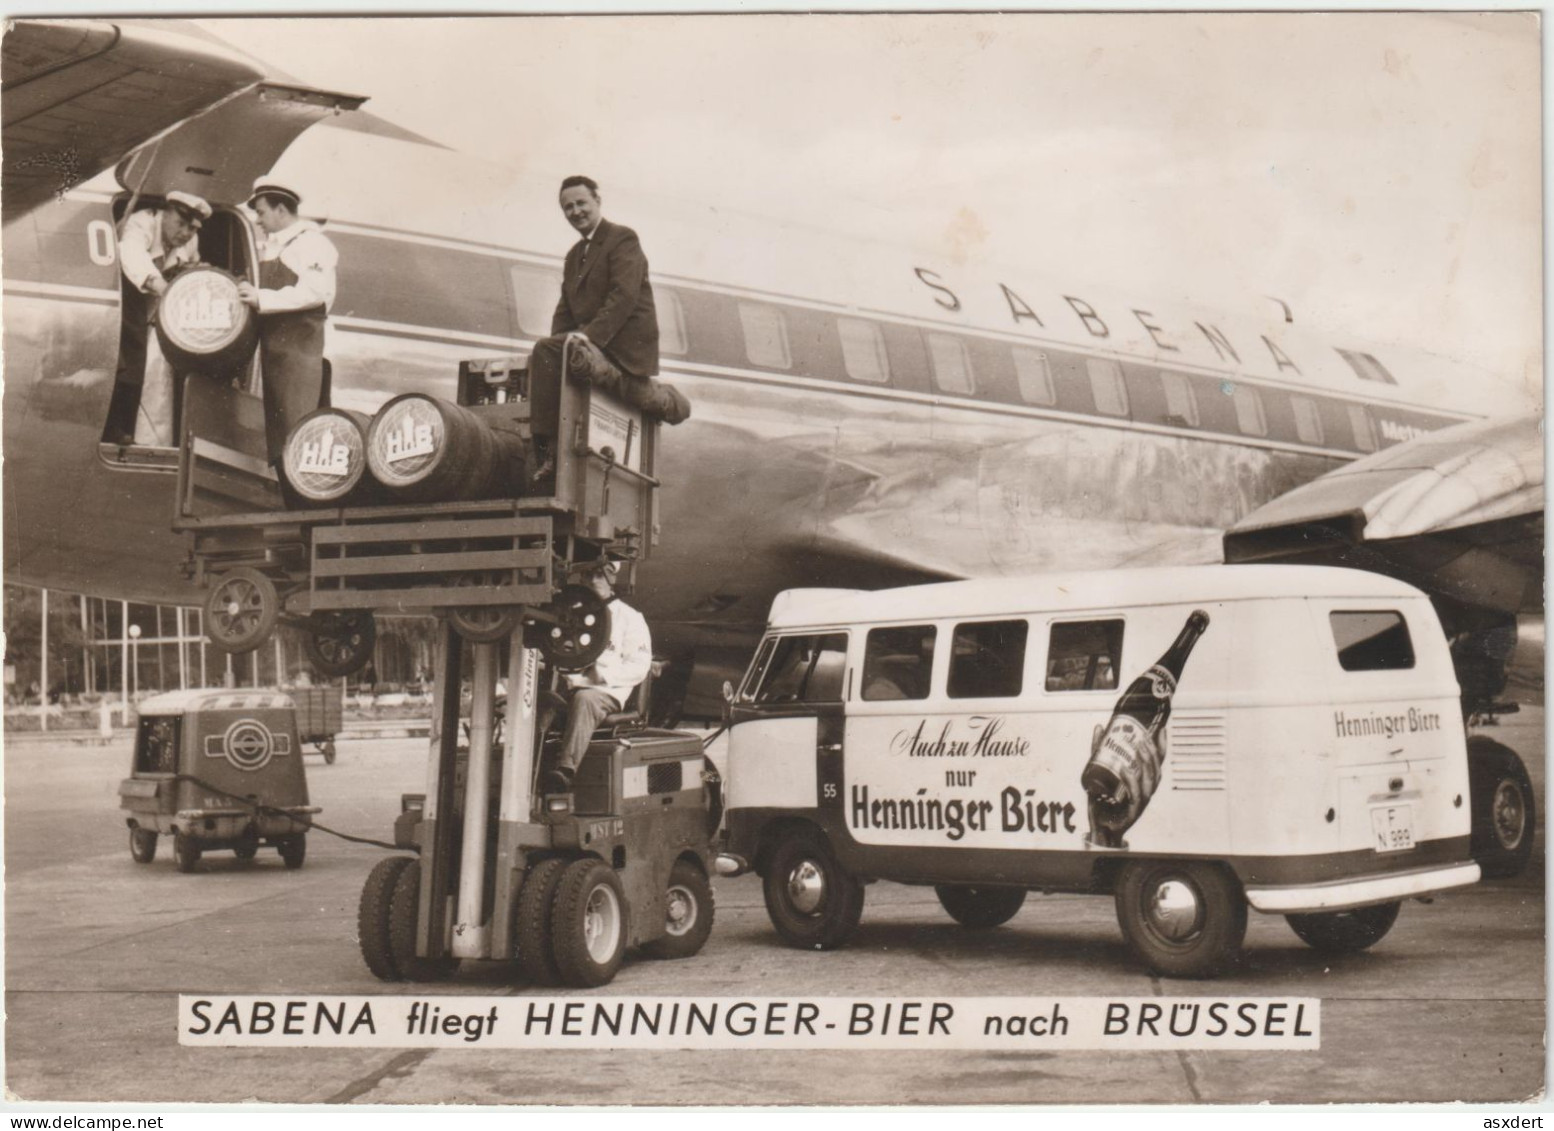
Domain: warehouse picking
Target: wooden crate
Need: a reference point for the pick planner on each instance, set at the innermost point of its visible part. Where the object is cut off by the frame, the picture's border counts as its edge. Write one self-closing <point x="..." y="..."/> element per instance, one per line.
<point x="456" y="560"/>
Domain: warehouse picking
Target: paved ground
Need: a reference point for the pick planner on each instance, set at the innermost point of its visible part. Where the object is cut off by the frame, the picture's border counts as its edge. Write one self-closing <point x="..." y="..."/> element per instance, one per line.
<point x="1451" y="1006"/>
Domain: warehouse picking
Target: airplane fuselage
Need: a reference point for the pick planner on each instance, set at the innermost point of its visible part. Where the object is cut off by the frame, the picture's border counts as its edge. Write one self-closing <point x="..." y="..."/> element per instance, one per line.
<point x="955" y="433"/>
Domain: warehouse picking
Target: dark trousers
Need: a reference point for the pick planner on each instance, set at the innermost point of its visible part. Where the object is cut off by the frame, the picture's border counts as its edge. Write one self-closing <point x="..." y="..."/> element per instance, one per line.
<point x="590" y="365"/>
<point x="588" y="708"/>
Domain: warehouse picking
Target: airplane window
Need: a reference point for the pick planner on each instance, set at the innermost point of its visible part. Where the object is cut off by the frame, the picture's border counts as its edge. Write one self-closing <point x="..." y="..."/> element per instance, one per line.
<point x="1180" y="403"/>
<point x="1084" y="655"/>
<point x="1111" y="395"/>
<point x="1308" y="421"/>
<point x="1372" y="641"/>
<point x="1034" y="372"/>
<point x="766" y="336"/>
<point x="863" y="350"/>
<point x="1364" y="432"/>
<point x="671" y="322"/>
<point x="1367" y="368"/>
<point x="951" y="365"/>
<point x="898" y="663"/>
<point x="988" y="660"/>
<point x="1250" y="417"/>
<point x="536" y="292"/>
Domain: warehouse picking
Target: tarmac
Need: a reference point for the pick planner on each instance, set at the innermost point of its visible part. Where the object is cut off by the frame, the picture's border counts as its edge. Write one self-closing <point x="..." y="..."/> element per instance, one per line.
<point x="1451" y="1006"/>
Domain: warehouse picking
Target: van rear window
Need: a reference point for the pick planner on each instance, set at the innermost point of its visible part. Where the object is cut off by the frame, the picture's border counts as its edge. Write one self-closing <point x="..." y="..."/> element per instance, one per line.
<point x="1372" y="641"/>
<point x="988" y="659"/>
<point x="1084" y="655"/>
<point x="802" y="669"/>
<point x="898" y="662"/>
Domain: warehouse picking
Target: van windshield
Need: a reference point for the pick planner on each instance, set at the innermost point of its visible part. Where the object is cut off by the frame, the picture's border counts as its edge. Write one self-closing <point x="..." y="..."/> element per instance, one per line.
<point x="802" y="669"/>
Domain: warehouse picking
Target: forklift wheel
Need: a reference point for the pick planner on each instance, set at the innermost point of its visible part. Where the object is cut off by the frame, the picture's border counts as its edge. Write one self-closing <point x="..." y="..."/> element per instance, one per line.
<point x="581" y="631"/>
<point x="588" y="923"/>
<point x="241" y="610"/>
<point x="531" y="931"/>
<point x="404" y="907"/>
<point x="340" y="643"/>
<point x="142" y="846"/>
<point x="372" y="916"/>
<point x="687" y="914"/>
<point x="186" y="852"/>
<point x="294" y="850"/>
<point x="483" y="625"/>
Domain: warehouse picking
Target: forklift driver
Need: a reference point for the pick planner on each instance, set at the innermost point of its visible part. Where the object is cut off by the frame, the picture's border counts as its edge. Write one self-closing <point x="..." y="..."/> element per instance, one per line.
<point x="606" y="684"/>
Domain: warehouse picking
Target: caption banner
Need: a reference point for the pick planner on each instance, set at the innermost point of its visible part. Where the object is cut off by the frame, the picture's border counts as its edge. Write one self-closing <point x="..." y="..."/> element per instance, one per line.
<point x="1243" y="1023"/>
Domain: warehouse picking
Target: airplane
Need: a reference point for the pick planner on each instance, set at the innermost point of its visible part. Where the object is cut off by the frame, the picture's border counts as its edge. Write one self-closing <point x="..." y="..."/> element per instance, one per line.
<point x="862" y="416"/>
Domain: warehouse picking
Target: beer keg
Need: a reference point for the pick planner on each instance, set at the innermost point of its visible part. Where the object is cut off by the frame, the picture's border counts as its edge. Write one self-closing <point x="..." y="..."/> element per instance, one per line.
<point x="326" y="455"/>
<point x="202" y="325"/>
<point x="423" y="449"/>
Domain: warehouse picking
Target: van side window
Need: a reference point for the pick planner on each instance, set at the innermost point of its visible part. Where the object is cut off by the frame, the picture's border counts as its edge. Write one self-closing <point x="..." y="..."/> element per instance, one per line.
<point x="804" y="669"/>
<point x="1372" y="641"/>
<point x="987" y="660"/>
<point x="898" y="662"/>
<point x="1084" y="655"/>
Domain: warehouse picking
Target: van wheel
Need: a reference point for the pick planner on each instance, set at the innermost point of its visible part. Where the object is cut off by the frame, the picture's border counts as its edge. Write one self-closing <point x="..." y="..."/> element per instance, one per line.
<point x="1344" y="931"/>
<point x="1504" y="812"/>
<point x="980" y="908"/>
<point x="1183" y="919"/>
<point x="372" y="916"/>
<point x="531" y="930"/>
<point x="812" y="902"/>
<point x="142" y="846"/>
<point x="588" y="923"/>
<point x="186" y="852"/>
<point x="687" y="914"/>
<point x="404" y="907"/>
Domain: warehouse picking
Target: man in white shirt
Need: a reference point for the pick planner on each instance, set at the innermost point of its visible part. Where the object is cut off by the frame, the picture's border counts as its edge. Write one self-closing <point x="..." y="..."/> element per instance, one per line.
<point x="296" y="289"/>
<point x="153" y="243"/>
<point x="606" y="684"/>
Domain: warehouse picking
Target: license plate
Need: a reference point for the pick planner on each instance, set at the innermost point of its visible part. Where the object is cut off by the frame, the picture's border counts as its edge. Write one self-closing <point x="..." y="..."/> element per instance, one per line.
<point x="1393" y="828"/>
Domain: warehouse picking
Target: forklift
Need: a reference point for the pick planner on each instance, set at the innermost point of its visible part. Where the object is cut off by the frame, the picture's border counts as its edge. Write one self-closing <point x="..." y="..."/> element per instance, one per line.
<point x="497" y="869"/>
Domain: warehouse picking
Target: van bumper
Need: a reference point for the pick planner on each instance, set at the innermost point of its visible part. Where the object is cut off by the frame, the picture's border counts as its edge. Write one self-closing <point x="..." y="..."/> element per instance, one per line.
<point x="1344" y="894"/>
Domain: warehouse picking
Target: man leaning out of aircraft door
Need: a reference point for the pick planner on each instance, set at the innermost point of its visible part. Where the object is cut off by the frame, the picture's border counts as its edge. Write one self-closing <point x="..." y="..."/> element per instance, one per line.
<point x="607" y="312"/>
<point x="296" y="289"/>
<point x="154" y="243"/>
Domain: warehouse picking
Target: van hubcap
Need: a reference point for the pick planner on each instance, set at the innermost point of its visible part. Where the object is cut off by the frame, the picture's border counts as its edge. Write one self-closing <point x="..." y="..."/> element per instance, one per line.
<point x="1509" y="814"/>
<point x="806" y="887"/>
<point x="1175" y="911"/>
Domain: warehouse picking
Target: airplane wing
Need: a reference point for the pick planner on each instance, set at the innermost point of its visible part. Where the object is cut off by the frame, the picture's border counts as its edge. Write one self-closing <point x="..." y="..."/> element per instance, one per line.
<point x="76" y="96"/>
<point x="218" y="154"/>
<point x="1457" y="513"/>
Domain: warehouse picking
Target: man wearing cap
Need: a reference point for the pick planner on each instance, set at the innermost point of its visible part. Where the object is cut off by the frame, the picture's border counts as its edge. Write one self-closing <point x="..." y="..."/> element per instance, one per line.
<point x="154" y="243"/>
<point x="296" y="289"/>
<point x="603" y="686"/>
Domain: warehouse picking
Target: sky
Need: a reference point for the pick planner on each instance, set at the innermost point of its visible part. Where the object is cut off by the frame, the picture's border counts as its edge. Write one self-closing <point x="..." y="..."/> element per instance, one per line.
<point x="1378" y="172"/>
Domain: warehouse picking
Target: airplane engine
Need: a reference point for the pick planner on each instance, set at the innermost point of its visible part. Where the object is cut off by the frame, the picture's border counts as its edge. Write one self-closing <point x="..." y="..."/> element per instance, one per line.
<point x="202" y="325"/>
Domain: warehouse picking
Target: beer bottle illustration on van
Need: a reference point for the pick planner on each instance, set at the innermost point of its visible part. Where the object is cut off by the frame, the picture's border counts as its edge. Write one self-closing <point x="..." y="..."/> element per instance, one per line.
<point x="1124" y="767"/>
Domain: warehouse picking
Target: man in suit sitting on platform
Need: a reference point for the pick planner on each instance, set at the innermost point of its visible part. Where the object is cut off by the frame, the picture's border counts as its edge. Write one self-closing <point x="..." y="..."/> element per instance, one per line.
<point x="607" y="313"/>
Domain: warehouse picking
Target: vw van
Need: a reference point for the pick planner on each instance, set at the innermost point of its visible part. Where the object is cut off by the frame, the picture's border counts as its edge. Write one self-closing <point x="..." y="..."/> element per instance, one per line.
<point x="217" y="769"/>
<point x="1310" y="759"/>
